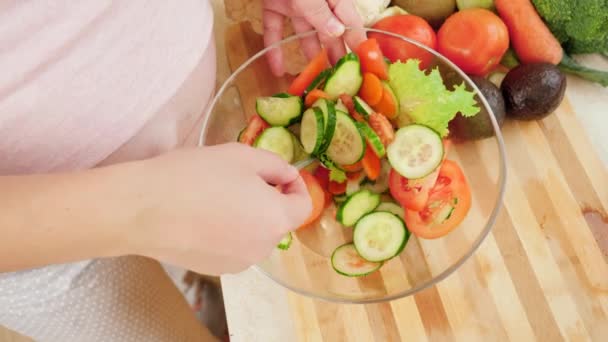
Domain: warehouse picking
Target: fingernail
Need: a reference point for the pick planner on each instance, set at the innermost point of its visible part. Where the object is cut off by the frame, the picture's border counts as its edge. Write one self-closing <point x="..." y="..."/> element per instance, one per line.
<point x="335" y="27"/>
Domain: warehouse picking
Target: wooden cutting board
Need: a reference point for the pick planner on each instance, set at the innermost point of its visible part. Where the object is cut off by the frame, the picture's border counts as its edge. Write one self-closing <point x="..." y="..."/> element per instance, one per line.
<point x="542" y="274"/>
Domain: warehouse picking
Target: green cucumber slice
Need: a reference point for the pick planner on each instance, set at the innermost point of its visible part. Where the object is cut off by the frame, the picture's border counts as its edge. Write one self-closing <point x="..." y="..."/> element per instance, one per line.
<point x="298" y="150"/>
<point x="329" y="116"/>
<point x="346" y="261"/>
<point x="362" y="107"/>
<point x="318" y="81"/>
<point x="347" y="145"/>
<point x="336" y="174"/>
<point x="312" y="130"/>
<point x="416" y="151"/>
<point x="372" y="139"/>
<point x="346" y="78"/>
<point x="381" y="184"/>
<point x="280" y="110"/>
<point x="278" y="140"/>
<point x="356" y="206"/>
<point x="380" y="236"/>
<point x="285" y="242"/>
<point x="391" y="207"/>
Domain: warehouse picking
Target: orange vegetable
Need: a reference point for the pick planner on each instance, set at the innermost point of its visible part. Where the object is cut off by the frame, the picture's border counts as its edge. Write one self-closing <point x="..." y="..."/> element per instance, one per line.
<point x="312" y="70"/>
<point x="371" y="164"/>
<point x="314" y="95"/>
<point x="387" y="105"/>
<point x="371" y="89"/>
<point x="353" y="168"/>
<point x="354" y="175"/>
<point x="317" y="196"/>
<point x="350" y="105"/>
<point x="530" y="37"/>
<point x="254" y="128"/>
<point x="372" y="59"/>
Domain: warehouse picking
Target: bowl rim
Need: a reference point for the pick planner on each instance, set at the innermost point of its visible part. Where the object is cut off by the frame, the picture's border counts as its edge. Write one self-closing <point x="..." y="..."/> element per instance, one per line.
<point x="502" y="169"/>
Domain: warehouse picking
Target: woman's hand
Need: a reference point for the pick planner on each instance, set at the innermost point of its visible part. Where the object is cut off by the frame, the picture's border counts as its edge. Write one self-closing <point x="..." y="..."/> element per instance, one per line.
<point x="329" y="17"/>
<point x="212" y="209"/>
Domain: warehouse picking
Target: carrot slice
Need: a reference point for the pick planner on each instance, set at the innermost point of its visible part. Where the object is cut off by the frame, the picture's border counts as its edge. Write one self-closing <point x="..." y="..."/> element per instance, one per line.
<point x="312" y="70"/>
<point x="314" y="95"/>
<point x="387" y="105"/>
<point x="371" y="89"/>
<point x="371" y="164"/>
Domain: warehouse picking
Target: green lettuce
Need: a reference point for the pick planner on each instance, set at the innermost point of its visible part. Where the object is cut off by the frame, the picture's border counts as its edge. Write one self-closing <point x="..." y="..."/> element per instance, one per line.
<point x="425" y="99"/>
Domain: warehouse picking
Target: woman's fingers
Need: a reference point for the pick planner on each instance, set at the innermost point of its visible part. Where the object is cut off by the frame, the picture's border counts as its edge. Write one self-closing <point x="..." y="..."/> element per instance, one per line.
<point x="273" y="32"/>
<point x="310" y="45"/>
<point x="345" y="11"/>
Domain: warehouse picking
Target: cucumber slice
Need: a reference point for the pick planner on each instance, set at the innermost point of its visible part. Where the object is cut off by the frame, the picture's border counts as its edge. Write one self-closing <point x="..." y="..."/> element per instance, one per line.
<point x="285" y="242"/>
<point x="346" y="78"/>
<point x="362" y="108"/>
<point x="347" y="145"/>
<point x="278" y="140"/>
<point x="298" y="150"/>
<point x="341" y="106"/>
<point x="279" y="110"/>
<point x="329" y="116"/>
<point x="336" y="174"/>
<point x="390" y="90"/>
<point x="356" y="206"/>
<point x="318" y="81"/>
<point x="416" y="151"/>
<point x="372" y="139"/>
<point x="312" y="130"/>
<point x="380" y="236"/>
<point x="380" y="185"/>
<point x="392" y="208"/>
<point x="339" y="199"/>
<point x="346" y="261"/>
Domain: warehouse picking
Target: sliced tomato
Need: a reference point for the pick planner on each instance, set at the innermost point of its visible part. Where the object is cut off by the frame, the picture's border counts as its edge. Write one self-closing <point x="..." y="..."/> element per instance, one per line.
<point x="317" y="196"/>
<point x="354" y="175"/>
<point x="350" y="105"/>
<point x="312" y="70"/>
<point x="371" y="164"/>
<point x="255" y="126"/>
<point x="336" y="188"/>
<point x="353" y="168"/>
<point x="414" y="194"/>
<point x="448" y="204"/>
<point x="372" y="59"/>
<point x="380" y="124"/>
<point x="322" y="176"/>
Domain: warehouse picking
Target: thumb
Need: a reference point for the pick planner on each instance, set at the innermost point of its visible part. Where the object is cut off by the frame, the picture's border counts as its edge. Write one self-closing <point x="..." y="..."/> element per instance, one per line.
<point x="274" y="170"/>
<point x="320" y="16"/>
<point x="297" y="202"/>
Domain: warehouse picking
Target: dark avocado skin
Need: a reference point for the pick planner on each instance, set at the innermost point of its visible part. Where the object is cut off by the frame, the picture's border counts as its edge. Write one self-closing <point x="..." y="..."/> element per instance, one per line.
<point x="533" y="91"/>
<point x="480" y="125"/>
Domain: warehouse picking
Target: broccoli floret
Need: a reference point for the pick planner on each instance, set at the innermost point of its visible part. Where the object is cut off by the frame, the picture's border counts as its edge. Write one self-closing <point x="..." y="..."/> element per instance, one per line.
<point x="580" y="25"/>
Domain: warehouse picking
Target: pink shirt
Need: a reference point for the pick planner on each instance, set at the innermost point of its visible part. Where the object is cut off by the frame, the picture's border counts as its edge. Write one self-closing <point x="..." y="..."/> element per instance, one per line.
<point x="92" y="82"/>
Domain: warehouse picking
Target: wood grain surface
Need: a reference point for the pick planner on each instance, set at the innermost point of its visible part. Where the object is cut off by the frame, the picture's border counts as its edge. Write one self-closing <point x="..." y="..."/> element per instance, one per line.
<point x="541" y="274"/>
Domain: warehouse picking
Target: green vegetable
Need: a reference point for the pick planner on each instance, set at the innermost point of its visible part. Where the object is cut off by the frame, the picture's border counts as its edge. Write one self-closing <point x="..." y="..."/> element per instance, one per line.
<point x="464" y="4"/>
<point x="572" y="67"/>
<point x="337" y="175"/>
<point x="426" y="100"/>
<point x="580" y="25"/>
<point x="509" y="59"/>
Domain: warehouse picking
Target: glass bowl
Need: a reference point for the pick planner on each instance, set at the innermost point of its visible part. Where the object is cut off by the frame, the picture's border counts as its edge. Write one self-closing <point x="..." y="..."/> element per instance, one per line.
<point x="306" y="268"/>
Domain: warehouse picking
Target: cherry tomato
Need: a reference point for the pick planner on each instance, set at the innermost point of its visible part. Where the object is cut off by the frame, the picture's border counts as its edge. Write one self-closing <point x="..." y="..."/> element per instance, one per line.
<point x="372" y="59"/>
<point x="317" y="196"/>
<point x="475" y="39"/>
<point x="312" y="70"/>
<point x="449" y="203"/>
<point x="409" y="26"/>
<point x="255" y="126"/>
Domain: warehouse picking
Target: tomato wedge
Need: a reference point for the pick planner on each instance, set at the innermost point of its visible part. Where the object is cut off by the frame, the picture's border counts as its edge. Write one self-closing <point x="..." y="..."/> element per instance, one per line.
<point x="255" y="126"/>
<point x="371" y="164"/>
<point x="372" y="59"/>
<point x="380" y="124"/>
<point x="350" y="105"/>
<point x="317" y="196"/>
<point x="312" y="70"/>
<point x="414" y="194"/>
<point x="448" y="205"/>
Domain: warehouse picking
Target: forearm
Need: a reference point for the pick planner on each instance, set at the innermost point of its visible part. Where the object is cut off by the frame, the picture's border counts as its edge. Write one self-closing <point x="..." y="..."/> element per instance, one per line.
<point x="50" y="219"/>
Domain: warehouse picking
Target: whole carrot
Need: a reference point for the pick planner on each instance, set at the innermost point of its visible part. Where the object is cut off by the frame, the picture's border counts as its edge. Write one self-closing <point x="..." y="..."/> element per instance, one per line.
<point x="529" y="35"/>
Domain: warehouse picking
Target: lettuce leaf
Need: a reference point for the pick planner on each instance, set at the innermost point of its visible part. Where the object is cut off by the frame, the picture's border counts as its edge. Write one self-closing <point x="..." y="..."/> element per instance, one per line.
<point x="426" y="100"/>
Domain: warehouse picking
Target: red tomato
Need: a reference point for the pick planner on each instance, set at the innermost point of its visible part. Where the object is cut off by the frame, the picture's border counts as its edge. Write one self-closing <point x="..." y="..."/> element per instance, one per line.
<point x="336" y="188"/>
<point x="255" y="126"/>
<point x="409" y="26"/>
<point x="350" y="105"/>
<point x="475" y="39"/>
<point x="322" y="176"/>
<point x="372" y="59"/>
<point x="312" y="70"/>
<point x="411" y="194"/>
<point x="353" y="168"/>
<point x="449" y="203"/>
<point x="317" y="196"/>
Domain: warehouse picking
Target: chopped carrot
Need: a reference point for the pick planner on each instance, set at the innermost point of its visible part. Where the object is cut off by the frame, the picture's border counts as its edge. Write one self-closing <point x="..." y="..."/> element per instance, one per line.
<point x="315" y="95"/>
<point x="371" y="89"/>
<point x="387" y="105"/>
<point x="371" y="164"/>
